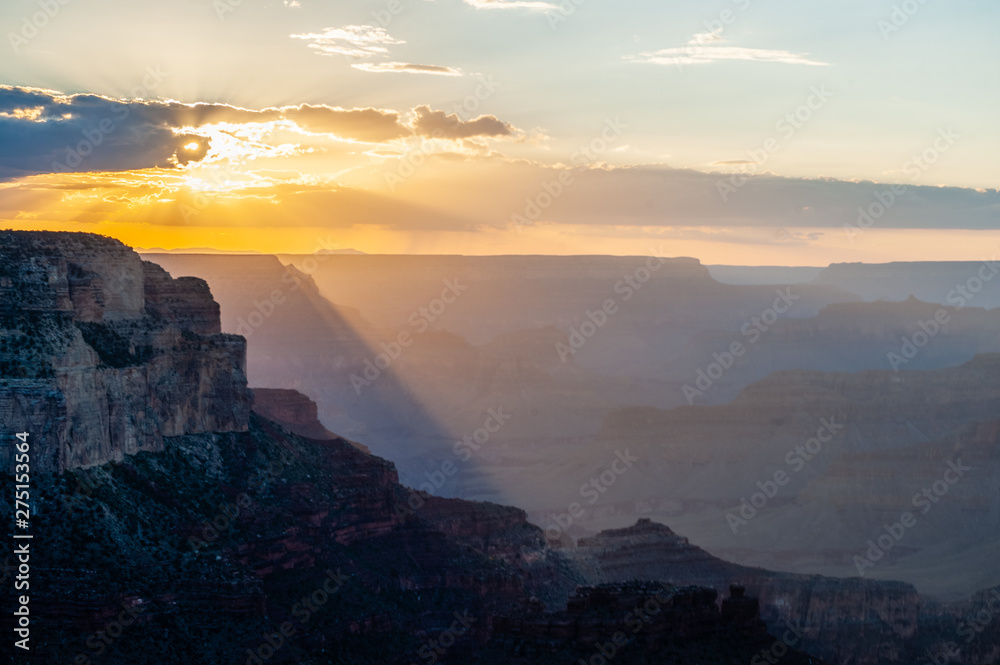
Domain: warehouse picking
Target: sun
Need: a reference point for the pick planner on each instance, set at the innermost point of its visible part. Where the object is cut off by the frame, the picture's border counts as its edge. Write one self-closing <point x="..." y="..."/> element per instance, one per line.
<point x="191" y="146"/>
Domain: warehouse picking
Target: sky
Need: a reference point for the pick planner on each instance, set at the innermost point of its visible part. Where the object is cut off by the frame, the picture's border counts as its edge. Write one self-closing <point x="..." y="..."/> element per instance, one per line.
<point x="752" y="132"/>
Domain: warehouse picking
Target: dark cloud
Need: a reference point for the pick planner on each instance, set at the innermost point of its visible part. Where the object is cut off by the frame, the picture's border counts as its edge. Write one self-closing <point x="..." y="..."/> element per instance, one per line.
<point x="651" y="195"/>
<point x="498" y="192"/>
<point x="43" y="131"/>
<point x="450" y="126"/>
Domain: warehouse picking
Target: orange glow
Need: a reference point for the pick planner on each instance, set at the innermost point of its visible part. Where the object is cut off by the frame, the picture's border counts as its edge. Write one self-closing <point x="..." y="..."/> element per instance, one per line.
<point x="215" y="207"/>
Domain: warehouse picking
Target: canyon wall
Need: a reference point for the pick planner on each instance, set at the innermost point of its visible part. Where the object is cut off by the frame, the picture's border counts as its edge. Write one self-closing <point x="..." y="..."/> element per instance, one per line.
<point x="103" y="354"/>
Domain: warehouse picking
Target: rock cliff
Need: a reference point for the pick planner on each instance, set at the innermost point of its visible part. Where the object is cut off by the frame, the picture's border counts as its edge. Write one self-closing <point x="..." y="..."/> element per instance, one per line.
<point x="103" y="354"/>
<point x="295" y="412"/>
<point x="846" y="621"/>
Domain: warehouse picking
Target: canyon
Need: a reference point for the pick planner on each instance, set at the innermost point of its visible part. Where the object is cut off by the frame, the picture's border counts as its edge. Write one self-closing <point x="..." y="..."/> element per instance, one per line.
<point x="205" y="530"/>
<point x="216" y="515"/>
<point x="658" y="379"/>
<point x="105" y="354"/>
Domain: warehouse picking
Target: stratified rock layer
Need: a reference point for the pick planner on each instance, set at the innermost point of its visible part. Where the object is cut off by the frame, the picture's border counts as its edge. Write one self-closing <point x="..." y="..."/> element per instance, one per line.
<point x="103" y="354"/>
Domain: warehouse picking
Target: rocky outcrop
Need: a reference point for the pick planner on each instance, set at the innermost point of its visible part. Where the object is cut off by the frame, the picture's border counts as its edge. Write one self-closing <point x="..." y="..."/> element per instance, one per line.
<point x="629" y="622"/>
<point x="876" y="619"/>
<point x="103" y="355"/>
<point x="184" y="301"/>
<point x="295" y="412"/>
<point x="93" y="277"/>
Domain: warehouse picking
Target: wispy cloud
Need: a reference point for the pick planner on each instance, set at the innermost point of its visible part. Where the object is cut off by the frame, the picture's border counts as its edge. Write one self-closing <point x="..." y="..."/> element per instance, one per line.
<point x="512" y="4"/>
<point x="698" y="52"/>
<point x="407" y="67"/>
<point x="368" y="41"/>
<point x="706" y="37"/>
<point x="353" y="41"/>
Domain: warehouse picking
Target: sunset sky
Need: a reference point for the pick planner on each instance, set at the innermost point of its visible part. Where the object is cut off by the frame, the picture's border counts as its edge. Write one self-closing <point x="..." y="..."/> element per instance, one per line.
<point x="493" y="126"/>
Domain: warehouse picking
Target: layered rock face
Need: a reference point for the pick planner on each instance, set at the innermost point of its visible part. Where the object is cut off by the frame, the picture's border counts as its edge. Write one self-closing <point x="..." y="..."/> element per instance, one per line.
<point x="103" y="354"/>
<point x="293" y="411"/>
<point x="841" y="620"/>
<point x="290" y="407"/>
<point x="844" y="337"/>
<point x="850" y="451"/>
<point x="663" y="301"/>
<point x="436" y="388"/>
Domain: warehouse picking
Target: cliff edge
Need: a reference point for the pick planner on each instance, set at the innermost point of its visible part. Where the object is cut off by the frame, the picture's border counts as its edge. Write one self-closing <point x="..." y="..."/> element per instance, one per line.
<point x="103" y="354"/>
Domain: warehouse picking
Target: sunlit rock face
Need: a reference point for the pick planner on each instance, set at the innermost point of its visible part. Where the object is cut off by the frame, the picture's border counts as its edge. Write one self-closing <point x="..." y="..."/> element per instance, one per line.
<point x="103" y="354"/>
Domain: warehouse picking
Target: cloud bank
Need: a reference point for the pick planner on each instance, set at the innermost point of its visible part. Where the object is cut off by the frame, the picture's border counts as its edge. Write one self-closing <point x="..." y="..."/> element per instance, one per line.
<point x="44" y="131"/>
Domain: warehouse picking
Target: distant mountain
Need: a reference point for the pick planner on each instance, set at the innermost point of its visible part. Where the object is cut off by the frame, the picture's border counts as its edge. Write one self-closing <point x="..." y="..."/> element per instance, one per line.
<point x="955" y="283"/>
<point x="845" y="337"/>
<point x="435" y="389"/>
<point x="658" y="303"/>
<point x="778" y="275"/>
